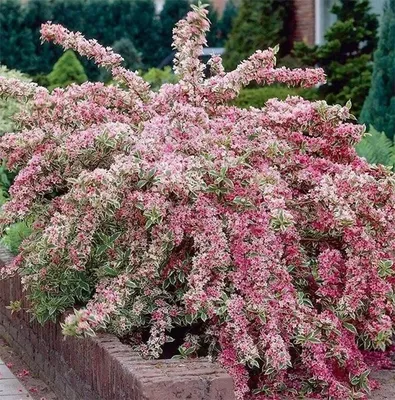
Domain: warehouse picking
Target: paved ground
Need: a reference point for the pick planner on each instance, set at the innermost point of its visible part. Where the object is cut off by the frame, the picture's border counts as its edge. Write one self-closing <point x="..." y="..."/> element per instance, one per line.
<point x="387" y="385"/>
<point x="10" y="387"/>
<point x="29" y="381"/>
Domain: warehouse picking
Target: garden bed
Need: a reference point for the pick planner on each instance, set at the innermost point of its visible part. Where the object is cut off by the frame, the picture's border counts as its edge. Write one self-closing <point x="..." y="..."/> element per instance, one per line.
<point x="102" y="368"/>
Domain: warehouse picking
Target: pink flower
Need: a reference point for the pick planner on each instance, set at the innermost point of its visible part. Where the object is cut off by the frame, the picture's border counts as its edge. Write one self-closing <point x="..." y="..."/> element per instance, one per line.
<point x="259" y="232"/>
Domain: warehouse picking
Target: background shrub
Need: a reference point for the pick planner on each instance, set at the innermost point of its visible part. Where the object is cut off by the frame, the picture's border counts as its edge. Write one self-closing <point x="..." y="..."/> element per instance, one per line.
<point x="257" y="97"/>
<point x="132" y="57"/>
<point x="15" y="233"/>
<point x="379" y="107"/>
<point x="157" y="77"/>
<point x="67" y="70"/>
<point x="9" y="107"/>
<point x="225" y="24"/>
<point x="8" y="110"/>
<point x="107" y="21"/>
<point x="259" y="25"/>
<point x="346" y="54"/>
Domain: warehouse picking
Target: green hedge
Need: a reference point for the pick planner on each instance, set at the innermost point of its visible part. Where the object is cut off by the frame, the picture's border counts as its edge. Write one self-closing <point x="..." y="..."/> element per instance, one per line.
<point x="257" y="97"/>
<point x="108" y="21"/>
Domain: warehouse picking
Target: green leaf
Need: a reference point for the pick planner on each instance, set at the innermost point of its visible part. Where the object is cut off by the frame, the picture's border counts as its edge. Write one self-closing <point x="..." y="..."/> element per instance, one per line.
<point x="203" y="316"/>
<point x="350" y="327"/>
<point x="110" y="272"/>
<point x="85" y="286"/>
<point x="114" y="237"/>
<point x="151" y="173"/>
<point x="141" y="183"/>
<point x="131" y="284"/>
<point x="253" y="363"/>
<point x="189" y="351"/>
<point x="189" y="319"/>
<point x="377" y="148"/>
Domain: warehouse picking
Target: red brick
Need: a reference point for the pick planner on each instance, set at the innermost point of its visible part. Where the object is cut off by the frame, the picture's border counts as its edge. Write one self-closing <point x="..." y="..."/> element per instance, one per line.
<point x="102" y="368"/>
<point x="305" y="21"/>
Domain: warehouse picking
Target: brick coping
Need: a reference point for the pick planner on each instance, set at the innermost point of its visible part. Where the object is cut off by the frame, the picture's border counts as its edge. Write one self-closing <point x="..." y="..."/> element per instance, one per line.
<point x="102" y="368"/>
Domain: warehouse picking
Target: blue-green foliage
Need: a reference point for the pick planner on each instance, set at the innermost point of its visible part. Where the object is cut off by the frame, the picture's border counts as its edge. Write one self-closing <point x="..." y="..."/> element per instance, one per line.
<point x="379" y="107"/>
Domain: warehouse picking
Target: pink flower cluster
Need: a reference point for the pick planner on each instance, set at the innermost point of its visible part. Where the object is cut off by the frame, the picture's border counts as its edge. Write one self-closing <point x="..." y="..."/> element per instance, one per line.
<point x="103" y="56"/>
<point x="260" y="229"/>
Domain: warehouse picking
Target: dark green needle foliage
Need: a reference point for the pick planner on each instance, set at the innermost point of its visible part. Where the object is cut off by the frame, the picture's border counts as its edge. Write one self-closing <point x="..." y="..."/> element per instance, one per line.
<point x="259" y="25"/>
<point x="346" y="54"/>
<point x="379" y="107"/>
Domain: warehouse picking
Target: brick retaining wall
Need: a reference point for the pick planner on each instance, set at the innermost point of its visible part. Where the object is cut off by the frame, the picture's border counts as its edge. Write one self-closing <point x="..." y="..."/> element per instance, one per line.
<point x="102" y="368"/>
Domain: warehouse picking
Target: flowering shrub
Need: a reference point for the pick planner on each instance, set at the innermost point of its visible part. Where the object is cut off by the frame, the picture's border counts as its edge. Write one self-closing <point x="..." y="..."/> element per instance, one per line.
<point x="8" y="107"/>
<point x="259" y="230"/>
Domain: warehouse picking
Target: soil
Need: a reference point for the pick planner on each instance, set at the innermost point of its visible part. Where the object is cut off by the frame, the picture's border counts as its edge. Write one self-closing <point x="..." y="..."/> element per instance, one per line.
<point x="37" y="389"/>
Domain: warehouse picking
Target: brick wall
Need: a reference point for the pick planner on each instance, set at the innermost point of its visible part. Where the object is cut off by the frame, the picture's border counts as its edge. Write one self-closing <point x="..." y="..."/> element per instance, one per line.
<point x="304" y="18"/>
<point x="305" y="21"/>
<point x="102" y="368"/>
<point x="219" y="5"/>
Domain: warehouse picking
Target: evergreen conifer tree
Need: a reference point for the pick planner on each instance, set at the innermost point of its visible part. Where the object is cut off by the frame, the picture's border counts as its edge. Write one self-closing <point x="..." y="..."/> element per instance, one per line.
<point x="226" y="21"/>
<point x="172" y="12"/>
<point x="259" y="25"/>
<point x="45" y="55"/>
<point x="16" y="40"/>
<point x="107" y="21"/>
<point x="379" y="107"/>
<point x="67" y="70"/>
<point x="131" y="58"/>
<point x="213" y="36"/>
<point x="346" y="54"/>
